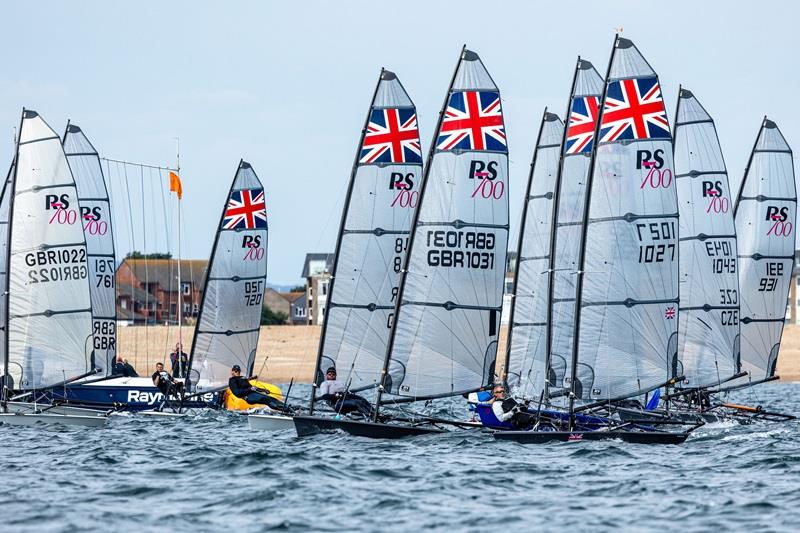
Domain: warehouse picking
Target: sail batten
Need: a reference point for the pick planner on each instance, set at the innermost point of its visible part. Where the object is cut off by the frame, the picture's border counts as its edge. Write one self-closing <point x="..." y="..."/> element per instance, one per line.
<point x="457" y="250"/>
<point x="228" y="325"/>
<point x="374" y="231"/>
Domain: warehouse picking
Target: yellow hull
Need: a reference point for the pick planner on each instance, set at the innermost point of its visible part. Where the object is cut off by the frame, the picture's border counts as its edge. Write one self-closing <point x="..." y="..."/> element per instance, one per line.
<point x="232" y="403"/>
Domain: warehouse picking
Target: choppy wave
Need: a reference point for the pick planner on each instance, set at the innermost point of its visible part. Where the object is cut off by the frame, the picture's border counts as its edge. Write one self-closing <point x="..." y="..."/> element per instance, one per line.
<point x="210" y="472"/>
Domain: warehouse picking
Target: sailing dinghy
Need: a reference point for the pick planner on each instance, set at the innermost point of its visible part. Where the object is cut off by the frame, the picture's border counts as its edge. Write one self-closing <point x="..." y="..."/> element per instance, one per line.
<point x="625" y="329"/>
<point x="47" y="317"/>
<point x="370" y="248"/>
<point x="443" y="340"/>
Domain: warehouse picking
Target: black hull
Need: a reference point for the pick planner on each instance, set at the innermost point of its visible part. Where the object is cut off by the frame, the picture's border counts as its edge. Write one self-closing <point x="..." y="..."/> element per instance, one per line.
<point x="636" y="437"/>
<point x="312" y="425"/>
<point x="686" y="417"/>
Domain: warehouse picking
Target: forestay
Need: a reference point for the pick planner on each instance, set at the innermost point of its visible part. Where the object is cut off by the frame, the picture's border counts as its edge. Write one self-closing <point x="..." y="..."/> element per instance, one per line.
<point x="230" y="314"/>
<point x="447" y="319"/>
<point x="526" y="351"/>
<point x="765" y="213"/>
<point x="373" y="238"/>
<point x="4" y="212"/>
<point x="49" y="310"/>
<point x="583" y="109"/>
<point x="708" y="327"/>
<point x="96" y="219"/>
<point x="626" y="319"/>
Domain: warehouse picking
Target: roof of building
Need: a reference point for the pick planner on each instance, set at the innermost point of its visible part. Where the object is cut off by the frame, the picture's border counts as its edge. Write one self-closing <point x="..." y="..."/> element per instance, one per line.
<point x="328" y="258"/>
<point x="292" y="296"/>
<point x="165" y="271"/>
<point x="137" y="294"/>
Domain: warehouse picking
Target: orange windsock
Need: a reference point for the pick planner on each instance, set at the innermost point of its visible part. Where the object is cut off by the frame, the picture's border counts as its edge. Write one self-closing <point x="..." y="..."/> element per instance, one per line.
<point x="175" y="184"/>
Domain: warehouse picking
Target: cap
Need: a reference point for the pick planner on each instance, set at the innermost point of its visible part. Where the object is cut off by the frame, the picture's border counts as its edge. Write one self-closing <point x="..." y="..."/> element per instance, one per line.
<point x="236" y="368"/>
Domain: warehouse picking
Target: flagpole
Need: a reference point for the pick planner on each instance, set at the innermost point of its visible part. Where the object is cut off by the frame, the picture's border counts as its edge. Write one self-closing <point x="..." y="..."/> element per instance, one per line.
<point x="180" y="285"/>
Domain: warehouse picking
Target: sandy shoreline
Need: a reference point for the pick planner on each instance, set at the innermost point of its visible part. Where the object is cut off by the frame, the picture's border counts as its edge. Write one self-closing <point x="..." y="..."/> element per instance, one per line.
<point x="286" y="352"/>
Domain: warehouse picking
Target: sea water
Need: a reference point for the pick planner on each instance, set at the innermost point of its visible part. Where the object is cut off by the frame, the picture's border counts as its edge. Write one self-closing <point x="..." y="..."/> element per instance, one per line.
<point x="211" y="473"/>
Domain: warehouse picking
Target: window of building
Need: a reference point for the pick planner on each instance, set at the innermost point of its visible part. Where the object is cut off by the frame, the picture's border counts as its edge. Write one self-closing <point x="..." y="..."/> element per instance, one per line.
<point x="324" y="287"/>
<point x="173" y="309"/>
<point x="123" y="304"/>
<point x="186" y="288"/>
<point x="195" y="309"/>
<point x="299" y="312"/>
<point x="509" y="287"/>
<point x="186" y="309"/>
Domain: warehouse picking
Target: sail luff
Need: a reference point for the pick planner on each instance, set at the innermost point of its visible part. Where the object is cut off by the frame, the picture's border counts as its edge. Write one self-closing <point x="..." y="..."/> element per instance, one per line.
<point x="708" y="327"/>
<point x="5" y="212"/>
<point x="97" y="223"/>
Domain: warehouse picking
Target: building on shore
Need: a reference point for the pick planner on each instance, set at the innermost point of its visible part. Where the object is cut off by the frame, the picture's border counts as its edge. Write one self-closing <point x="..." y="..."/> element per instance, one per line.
<point x="290" y="304"/>
<point x="317" y="271"/>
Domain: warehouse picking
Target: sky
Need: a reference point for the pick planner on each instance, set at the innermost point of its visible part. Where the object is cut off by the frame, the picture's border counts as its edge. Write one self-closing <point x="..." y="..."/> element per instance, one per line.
<point x="286" y="86"/>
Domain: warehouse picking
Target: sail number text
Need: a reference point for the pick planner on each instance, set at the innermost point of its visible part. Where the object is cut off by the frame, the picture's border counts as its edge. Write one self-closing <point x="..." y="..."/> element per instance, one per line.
<point x="774" y="272"/>
<point x="461" y="249"/>
<point x="253" y="292"/>
<point x="56" y="265"/>
<point x="658" y="233"/>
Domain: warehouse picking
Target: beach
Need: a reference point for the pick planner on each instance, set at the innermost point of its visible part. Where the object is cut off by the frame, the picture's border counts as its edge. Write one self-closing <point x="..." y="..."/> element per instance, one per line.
<point x="289" y="352"/>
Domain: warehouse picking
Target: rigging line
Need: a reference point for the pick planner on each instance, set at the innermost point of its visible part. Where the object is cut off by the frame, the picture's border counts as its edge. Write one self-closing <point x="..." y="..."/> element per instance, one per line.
<point x="115" y="241"/>
<point x="170" y="268"/>
<point x="146" y="269"/>
<point x="132" y="242"/>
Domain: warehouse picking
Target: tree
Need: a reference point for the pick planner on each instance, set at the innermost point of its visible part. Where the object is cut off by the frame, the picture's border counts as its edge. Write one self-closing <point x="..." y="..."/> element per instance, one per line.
<point x="272" y="318"/>
<point x="136" y="254"/>
<point x="298" y="288"/>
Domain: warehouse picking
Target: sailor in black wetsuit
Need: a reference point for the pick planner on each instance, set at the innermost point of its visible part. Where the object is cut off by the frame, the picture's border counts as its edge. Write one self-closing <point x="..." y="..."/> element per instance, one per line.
<point x="509" y="410"/>
<point x="165" y="383"/>
<point x="123" y="368"/>
<point x="241" y="388"/>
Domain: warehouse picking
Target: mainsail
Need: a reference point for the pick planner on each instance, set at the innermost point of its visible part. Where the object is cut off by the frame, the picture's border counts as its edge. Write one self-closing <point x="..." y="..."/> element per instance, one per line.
<point x="526" y="348"/>
<point x="230" y="314"/>
<point x="766" y="214"/>
<point x="373" y="238"/>
<point x="583" y="109"/>
<point x="96" y="219"/>
<point x="447" y="317"/>
<point x="708" y="326"/>
<point x="49" y="310"/>
<point x="625" y="320"/>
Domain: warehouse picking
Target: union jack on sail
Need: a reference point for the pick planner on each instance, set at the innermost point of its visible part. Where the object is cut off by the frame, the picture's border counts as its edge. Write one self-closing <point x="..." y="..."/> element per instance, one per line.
<point x="391" y="137"/>
<point x="473" y="120"/>
<point x="582" y="122"/>
<point x="634" y="109"/>
<point x="246" y="210"/>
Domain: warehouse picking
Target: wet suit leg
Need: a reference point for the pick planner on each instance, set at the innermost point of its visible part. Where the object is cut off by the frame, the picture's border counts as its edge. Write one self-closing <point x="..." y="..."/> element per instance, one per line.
<point x="523" y="420"/>
<point x="354" y="403"/>
<point x="269" y="401"/>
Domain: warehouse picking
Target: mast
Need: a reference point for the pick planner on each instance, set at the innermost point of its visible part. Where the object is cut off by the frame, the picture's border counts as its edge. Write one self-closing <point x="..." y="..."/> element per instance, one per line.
<point x="582" y="253"/>
<point x="180" y="279"/>
<point x="11" y="191"/>
<point x="520" y="239"/>
<point x="551" y="266"/>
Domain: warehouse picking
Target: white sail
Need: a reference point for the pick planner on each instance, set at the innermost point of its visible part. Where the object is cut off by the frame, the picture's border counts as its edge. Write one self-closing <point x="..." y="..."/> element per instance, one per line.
<point x="230" y="315"/>
<point x="708" y="327"/>
<point x="766" y="215"/>
<point x="626" y="317"/>
<point x="527" y="325"/>
<point x="447" y="319"/>
<point x="96" y="219"/>
<point x="373" y="238"/>
<point x="49" y="308"/>
<point x="583" y="109"/>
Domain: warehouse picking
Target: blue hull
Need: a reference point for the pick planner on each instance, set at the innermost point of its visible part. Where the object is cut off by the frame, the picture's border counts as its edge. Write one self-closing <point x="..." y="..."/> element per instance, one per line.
<point x="131" y="398"/>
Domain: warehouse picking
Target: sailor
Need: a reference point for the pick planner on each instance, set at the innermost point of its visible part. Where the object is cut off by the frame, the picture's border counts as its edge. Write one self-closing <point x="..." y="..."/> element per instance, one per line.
<point x="123" y="368"/>
<point x="179" y="360"/>
<point x="333" y="391"/>
<point x="165" y="382"/>
<point x="509" y="410"/>
<point x="241" y="388"/>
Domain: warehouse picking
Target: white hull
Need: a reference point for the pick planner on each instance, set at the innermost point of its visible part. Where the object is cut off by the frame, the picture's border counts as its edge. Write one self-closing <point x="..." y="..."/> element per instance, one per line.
<point x="32" y="408"/>
<point x="32" y="419"/>
<point x="270" y="422"/>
